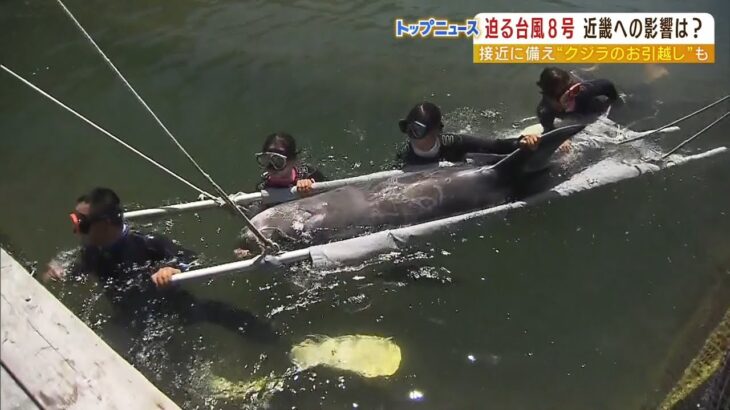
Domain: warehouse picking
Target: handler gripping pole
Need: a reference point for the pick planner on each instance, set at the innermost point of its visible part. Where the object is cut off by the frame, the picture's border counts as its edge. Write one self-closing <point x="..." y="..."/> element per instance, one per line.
<point x="675" y="122"/>
<point x="256" y="263"/>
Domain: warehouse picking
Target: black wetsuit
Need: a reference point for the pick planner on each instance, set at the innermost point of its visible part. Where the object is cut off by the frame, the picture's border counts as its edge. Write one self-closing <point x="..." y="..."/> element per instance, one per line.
<point x="593" y="97"/>
<point x="455" y="147"/>
<point x="303" y="171"/>
<point x="125" y="269"/>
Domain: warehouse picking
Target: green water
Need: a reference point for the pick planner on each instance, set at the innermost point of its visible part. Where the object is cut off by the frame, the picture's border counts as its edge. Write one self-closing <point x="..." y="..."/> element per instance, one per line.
<point x="590" y="302"/>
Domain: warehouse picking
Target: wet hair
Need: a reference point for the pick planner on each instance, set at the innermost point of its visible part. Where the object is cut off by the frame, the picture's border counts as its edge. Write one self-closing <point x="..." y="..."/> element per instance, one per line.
<point x="104" y="204"/>
<point x="282" y="143"/>
<point x="427" y="113"/>
<point x="553" y="80"/>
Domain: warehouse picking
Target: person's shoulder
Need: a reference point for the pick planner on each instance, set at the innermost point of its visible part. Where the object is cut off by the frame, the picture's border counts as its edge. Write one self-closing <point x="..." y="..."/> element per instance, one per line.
<point x="544" y="105"/>
<point x="149" y="239"/>
<point x="160" y="246"/>
<point x="598" y="82"/>
<point x="450" y="139"/>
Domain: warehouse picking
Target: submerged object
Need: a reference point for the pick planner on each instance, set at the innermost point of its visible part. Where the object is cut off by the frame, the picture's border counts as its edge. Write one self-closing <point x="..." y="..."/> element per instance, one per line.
<point x="368" y="356"/>
<point x="257" y="390"/>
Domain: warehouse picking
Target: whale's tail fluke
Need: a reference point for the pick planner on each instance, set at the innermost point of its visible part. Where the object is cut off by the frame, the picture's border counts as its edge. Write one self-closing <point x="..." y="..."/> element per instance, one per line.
<point x="524" y="160"/>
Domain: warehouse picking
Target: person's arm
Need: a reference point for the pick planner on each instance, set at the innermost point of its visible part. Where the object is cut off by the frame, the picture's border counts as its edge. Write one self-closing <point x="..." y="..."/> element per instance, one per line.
<point x="57" y="270"/>
<point x="308" y="175"/>
<point x="171" y="253"/>
<point x="546" y="116"/>
<point x="171" y="259"/>
<point x="596" y="96"/>
<point x="597" y="88"/>
<point x="316" y="175"/>
<point x="471" y="144"/>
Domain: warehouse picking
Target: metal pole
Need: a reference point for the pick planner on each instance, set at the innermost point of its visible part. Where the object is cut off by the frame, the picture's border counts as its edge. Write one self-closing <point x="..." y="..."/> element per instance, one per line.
<point x="269" y="196"/>
<point x="259" y="262"/>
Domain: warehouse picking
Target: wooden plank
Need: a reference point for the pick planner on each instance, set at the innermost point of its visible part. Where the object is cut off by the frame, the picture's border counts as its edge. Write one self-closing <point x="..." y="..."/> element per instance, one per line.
<point x="41" y="369"/>
<point x="61" y="362"/>
<point x="12" y="396"/>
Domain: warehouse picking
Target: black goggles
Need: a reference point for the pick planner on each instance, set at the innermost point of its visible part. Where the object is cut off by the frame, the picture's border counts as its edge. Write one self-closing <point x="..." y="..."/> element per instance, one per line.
<point x="271" y="160"/>
<point x="414" y="129"/>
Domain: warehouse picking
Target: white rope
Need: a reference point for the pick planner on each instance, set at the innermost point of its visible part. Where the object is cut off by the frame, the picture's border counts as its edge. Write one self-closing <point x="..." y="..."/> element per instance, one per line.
<point x="675" y="122"/>
<point x="263" y="241"/>
<point x="690" y="139"/>
<point x="107" y="133"/>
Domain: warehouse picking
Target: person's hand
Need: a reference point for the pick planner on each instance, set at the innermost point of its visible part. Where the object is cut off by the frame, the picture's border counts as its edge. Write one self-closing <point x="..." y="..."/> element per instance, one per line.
<point x="163" y="277"/>
<point x="241" y="253"/>
<point x="304" y="186"/>
<point x="53" y="272"/>
<point x="530" y="141"/>
<point x="565" y="147"/>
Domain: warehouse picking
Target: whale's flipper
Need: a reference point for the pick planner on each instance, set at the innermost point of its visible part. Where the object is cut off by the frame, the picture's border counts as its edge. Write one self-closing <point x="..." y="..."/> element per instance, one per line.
<point x="524" y="160"/>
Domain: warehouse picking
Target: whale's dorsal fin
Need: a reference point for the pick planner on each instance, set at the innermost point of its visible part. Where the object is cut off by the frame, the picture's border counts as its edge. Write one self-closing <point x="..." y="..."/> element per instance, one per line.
<point x="524" y="160"/>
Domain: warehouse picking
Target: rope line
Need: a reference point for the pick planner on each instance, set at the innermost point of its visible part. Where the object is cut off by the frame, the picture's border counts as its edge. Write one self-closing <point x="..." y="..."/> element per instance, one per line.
<point x="700" y="132"/>
<point x="675" y="122"/>
<point x="107" y="133"/>
<point x="264" y="242"/>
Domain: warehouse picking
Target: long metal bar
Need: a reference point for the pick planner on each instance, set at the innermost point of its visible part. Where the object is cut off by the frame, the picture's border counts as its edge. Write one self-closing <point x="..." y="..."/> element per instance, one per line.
<point x="270" y="196"/>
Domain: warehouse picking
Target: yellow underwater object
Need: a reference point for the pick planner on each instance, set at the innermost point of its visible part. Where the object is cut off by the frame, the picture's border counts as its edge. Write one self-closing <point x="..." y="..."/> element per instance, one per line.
<point x="368" y="356"/>
<point x="257" y="390"/>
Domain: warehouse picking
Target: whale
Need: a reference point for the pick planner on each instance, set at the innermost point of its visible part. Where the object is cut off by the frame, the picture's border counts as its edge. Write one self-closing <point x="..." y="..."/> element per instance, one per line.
<point x="409" y="198"/>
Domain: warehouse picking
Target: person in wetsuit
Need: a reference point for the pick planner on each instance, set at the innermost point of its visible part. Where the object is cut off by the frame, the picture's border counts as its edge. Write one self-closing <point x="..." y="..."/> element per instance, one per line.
<point x="564" y="94"/>
<point x="428" y="144"/>
<point x="135" y="270"/>
<point x="282" y="169"/>
<point x="278" y="157"/>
